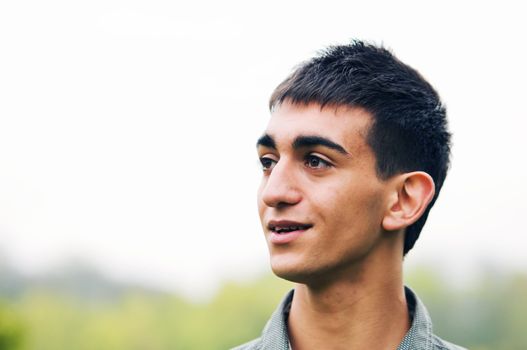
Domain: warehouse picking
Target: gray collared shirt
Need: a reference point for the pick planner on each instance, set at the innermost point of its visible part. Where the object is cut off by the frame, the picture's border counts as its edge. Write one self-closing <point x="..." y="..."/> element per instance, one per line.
<point x="419" y="337"/>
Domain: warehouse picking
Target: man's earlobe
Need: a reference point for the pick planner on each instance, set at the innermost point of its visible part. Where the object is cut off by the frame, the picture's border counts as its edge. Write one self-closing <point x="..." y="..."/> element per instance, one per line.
<point x="414" y="191"/>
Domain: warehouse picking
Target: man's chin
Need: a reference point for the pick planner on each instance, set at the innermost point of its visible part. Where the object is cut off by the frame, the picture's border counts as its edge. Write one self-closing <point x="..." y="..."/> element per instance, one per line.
<point x="304" y="271"/>
<point x="291" y="272"/>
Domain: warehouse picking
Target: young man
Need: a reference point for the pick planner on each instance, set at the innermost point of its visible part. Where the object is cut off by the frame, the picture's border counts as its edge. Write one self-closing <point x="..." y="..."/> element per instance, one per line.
<point x="353" y="158"/>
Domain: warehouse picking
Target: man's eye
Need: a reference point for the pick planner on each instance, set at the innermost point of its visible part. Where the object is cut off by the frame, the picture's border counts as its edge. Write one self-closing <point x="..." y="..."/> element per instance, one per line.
<point x="267" y="163"/>
<point x="315" y="162"/>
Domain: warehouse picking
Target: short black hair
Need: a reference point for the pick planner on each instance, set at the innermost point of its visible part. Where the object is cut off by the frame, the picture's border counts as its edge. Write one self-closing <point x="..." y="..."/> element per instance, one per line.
<point x="409" y="130"/>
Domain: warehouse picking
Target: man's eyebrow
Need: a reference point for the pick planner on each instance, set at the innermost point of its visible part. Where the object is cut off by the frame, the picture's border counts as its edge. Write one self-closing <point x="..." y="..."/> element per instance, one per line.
<point x="312" y="141"/>
<point x="266" y="141"/>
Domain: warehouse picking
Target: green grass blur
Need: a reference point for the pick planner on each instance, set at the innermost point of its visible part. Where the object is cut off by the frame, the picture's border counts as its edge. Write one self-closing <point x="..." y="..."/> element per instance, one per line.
<point x="79" y="309"/>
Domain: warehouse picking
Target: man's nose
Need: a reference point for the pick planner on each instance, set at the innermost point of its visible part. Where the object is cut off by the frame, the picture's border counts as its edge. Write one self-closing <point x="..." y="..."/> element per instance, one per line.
<point x="281" y="188"/>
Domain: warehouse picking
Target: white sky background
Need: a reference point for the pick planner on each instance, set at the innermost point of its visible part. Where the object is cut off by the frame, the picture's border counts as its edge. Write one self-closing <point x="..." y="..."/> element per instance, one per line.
<point x="127" y="128"/>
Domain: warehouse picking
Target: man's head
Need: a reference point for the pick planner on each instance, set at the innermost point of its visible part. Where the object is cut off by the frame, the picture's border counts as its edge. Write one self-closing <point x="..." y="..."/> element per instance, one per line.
<point x="408" y="131"/>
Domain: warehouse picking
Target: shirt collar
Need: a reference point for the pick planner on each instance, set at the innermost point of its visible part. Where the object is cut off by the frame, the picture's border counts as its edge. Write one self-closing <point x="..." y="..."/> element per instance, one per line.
<point x="274" y="335"/>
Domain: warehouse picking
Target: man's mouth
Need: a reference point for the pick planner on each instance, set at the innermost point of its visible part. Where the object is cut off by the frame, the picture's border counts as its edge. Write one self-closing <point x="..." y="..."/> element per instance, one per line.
<point x="283" y="227"/>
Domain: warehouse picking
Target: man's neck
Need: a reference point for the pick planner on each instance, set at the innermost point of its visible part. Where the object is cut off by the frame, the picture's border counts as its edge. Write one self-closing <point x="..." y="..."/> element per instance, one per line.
<point x="366" y="311"/>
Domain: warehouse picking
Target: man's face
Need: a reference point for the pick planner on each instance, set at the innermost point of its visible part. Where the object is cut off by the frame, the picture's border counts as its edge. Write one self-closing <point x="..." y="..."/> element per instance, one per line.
<point x="320" y="202"/>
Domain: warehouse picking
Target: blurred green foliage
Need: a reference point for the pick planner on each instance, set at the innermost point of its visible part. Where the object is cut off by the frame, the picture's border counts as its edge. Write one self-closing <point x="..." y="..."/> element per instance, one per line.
<point x="489" y="313"/>
<point x="11" y="328"/>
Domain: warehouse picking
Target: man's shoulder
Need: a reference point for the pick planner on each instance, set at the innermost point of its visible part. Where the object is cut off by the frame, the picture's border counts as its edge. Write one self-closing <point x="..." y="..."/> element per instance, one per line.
<point x="437" y="344"/>
<point x="274" y="335"/>
<point x="420" y="335"/>
<point x="440" y="344"/>
<point x="255" y="344"/>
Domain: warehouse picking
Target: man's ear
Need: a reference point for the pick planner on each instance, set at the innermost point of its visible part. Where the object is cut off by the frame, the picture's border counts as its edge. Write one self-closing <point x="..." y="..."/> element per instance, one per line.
<point x="410" y="198"/>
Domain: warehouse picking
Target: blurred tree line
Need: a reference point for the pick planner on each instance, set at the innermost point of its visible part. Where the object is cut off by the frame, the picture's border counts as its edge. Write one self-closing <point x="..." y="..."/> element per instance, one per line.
<point x="79" y="309"/>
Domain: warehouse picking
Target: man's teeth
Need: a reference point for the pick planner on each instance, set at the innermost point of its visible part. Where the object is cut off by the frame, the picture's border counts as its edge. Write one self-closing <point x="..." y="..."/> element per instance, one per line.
<point x="288" y="229"/>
